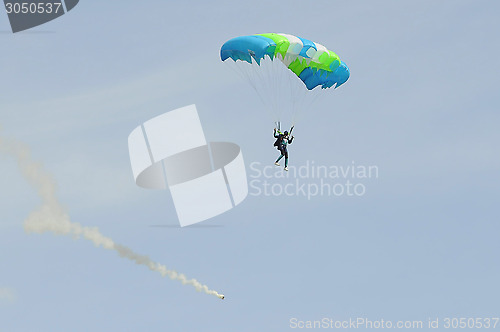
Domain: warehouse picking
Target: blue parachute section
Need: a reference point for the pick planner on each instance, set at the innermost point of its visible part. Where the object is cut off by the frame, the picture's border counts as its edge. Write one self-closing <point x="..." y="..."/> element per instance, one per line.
<point x="247" y="47"/>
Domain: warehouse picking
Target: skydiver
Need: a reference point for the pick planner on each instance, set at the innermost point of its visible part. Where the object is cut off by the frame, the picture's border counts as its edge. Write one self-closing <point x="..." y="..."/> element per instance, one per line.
<point x="282" y="140"/>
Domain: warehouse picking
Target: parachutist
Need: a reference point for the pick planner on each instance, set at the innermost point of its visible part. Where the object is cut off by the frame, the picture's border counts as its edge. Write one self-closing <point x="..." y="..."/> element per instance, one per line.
<point x="282" y="140"/>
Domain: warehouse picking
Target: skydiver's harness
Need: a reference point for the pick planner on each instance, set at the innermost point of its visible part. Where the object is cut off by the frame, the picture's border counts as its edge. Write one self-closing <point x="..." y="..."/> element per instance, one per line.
<point x="279" y="141"/>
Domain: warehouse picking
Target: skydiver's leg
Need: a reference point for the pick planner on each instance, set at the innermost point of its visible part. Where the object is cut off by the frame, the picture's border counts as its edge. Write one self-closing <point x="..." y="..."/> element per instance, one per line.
<point x="286" y="157"/>
<point x="282" y="151"/>
<point x="281" y="156"/>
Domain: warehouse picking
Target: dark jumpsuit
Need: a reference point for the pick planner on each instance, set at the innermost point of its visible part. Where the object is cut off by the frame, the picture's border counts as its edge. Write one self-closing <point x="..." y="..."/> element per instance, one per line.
<point x="281" y="145"/>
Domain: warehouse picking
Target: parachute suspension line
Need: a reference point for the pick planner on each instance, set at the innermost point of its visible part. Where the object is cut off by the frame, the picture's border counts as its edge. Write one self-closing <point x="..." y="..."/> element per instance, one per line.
<point x="274" y="87"/>
<point x="272" y="79"/>
<point x="282" y="78"/>
<point x="280" y="73"/>
<point x="252" y="82"/>
<point x="286" y="75"/>
<point x="277" y="87"/>
<point x="243" y="70"/>
<point x="277" y="95"/>
<point x="299" y="96"/>
<point x="270" y="74"/>
<point x="274" y="92"/>
<point x="292" y="85"/>
<point x="264" y="84"/>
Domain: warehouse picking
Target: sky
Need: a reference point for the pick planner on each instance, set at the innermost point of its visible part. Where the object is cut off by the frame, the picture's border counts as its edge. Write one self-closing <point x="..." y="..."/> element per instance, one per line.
<point x="421" y="105"/>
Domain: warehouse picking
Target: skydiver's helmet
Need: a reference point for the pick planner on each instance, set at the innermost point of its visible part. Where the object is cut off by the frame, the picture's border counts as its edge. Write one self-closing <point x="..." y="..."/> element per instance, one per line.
<point x="286" y="133"/>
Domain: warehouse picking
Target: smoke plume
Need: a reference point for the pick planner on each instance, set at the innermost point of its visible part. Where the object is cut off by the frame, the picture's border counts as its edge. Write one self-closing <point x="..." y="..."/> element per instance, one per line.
<point x="51" y="217"/>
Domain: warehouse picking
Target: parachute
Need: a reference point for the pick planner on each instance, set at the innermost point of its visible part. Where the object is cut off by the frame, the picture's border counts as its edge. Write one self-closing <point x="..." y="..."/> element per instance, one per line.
<point x="311" y="69"/>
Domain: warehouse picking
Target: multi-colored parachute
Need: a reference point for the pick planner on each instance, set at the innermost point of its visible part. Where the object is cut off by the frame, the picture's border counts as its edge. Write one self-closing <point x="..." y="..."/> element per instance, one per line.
<point x="313" y="64"/>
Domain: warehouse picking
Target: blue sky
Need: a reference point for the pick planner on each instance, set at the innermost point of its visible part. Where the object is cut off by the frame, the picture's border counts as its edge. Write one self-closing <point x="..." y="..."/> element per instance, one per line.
<point x="421" y="104"/>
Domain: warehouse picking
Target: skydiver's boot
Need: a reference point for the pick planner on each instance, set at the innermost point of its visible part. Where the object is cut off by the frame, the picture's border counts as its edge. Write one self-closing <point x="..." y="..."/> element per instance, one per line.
<point x="286" y="168"/>
<point x="277" y="163"/>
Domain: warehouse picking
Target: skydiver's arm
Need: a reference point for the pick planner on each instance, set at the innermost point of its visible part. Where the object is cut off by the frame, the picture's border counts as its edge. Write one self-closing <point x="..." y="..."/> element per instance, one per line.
<point x="276" y="135"/>
<point x="290" y="140"/>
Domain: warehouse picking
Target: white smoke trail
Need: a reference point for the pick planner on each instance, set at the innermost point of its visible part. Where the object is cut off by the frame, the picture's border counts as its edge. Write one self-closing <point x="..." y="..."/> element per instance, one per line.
<point x="51" y="217"/>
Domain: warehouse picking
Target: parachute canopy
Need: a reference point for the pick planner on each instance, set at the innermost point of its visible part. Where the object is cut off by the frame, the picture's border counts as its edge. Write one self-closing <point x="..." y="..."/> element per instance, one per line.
<point x="311" y="62"/>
